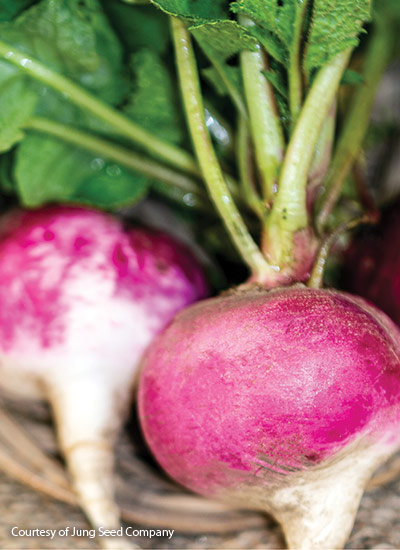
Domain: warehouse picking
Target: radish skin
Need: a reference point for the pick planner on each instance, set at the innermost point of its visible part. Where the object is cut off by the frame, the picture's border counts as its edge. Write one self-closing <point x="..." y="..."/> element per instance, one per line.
<point x="81" y="297"/>
<point x="284" y="401"/>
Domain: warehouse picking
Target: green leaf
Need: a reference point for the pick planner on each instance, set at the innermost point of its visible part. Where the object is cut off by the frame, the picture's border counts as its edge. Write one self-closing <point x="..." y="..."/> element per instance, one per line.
<point x="271" y="43"/>
<point x="284" y="112"/>
<point x="276" y="16"/>
<point x="194" y="9"/>
<point x="220" y="41"/>
<point x="113" y="187"/>
<point x="10" y="8"/>
<point x="277" y="81"/>
<point x="49" y="170"/>
<point x="335" y="26"/>
<point x="17" y="103"/>
<point x="72" y="37"/>
<point x="352" y="78"/>
<point x="275" y="21"/>
<point x="153" y="103"/>
<point x="223" y="39"/>
<point x="139" y="26"/>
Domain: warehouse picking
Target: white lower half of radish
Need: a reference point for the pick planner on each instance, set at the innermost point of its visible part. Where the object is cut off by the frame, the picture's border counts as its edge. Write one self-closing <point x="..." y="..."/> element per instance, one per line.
<point x="88" y="378"/>
<point x="317" y="508"/>
<point x="81" y="298"/>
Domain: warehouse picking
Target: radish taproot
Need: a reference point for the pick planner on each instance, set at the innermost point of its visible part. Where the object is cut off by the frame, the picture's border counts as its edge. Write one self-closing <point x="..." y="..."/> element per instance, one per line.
<point x="284" y="401"/>
<point x="80" y="299"/>
<point x="372" y="264"/>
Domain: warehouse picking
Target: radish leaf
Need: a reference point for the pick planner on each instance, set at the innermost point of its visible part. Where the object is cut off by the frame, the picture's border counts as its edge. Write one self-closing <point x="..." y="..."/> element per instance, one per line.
<point x="220" y="41"/>
<point x="17" y="103"/>
<point x="275" y="21"/>
<point x="223" y="39"/>
<point x="153" y="103"/>
<point x="139" y="26"/>
<point x="194" y="9"/>
<point x="43" y="173"/>
<point x="335" y="26"/>
<point x="10" y="8"/>
<point x="74" y="38"/>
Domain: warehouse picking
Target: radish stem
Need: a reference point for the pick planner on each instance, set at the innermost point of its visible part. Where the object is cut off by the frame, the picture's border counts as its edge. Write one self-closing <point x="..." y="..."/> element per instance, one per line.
<point x="357" y="119"/>
<point x="211" y="170"/>
<point x="265" y="125"/>
<point x="289" y="211"/>
<point x="83" y="99"/>
<point x="317" y="274"/>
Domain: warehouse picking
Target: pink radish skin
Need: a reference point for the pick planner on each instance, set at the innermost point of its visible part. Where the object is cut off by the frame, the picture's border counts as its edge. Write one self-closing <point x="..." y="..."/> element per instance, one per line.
<point x="80" y="300"/>
<point x="284" y="401"/>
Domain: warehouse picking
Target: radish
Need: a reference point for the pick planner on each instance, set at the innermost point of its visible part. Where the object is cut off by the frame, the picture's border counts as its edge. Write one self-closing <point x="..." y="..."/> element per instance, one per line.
<point x="81" y="297"/>
<point x="372" y="264"/>
<point x="284" y="401"/>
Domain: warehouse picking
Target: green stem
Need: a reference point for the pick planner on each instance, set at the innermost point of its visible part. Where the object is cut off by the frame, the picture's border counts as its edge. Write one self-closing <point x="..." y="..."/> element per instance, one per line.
<point x="246" y="172"/>
<point x="265" y="124"/>
<point x="114" y="152"/>
<point x="357" y="119"/>
<point x="317" y="274"/>
<point x="294" y="74"/>
<point x="211" y="170"/>
<point x="83" y="99"/>
<point x="289" y="211"/>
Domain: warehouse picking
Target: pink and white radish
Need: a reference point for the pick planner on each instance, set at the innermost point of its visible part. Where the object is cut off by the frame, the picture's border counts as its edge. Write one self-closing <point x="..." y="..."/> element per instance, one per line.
<point x="80" y="299"/>
<point x="284" y="401"/>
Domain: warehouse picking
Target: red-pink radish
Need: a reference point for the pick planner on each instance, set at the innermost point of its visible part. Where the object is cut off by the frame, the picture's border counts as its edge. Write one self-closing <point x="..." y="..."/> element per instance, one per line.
<point x="284" y="400"/>
<point x="372" y="264"/>
<point x="80" y="299"/>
